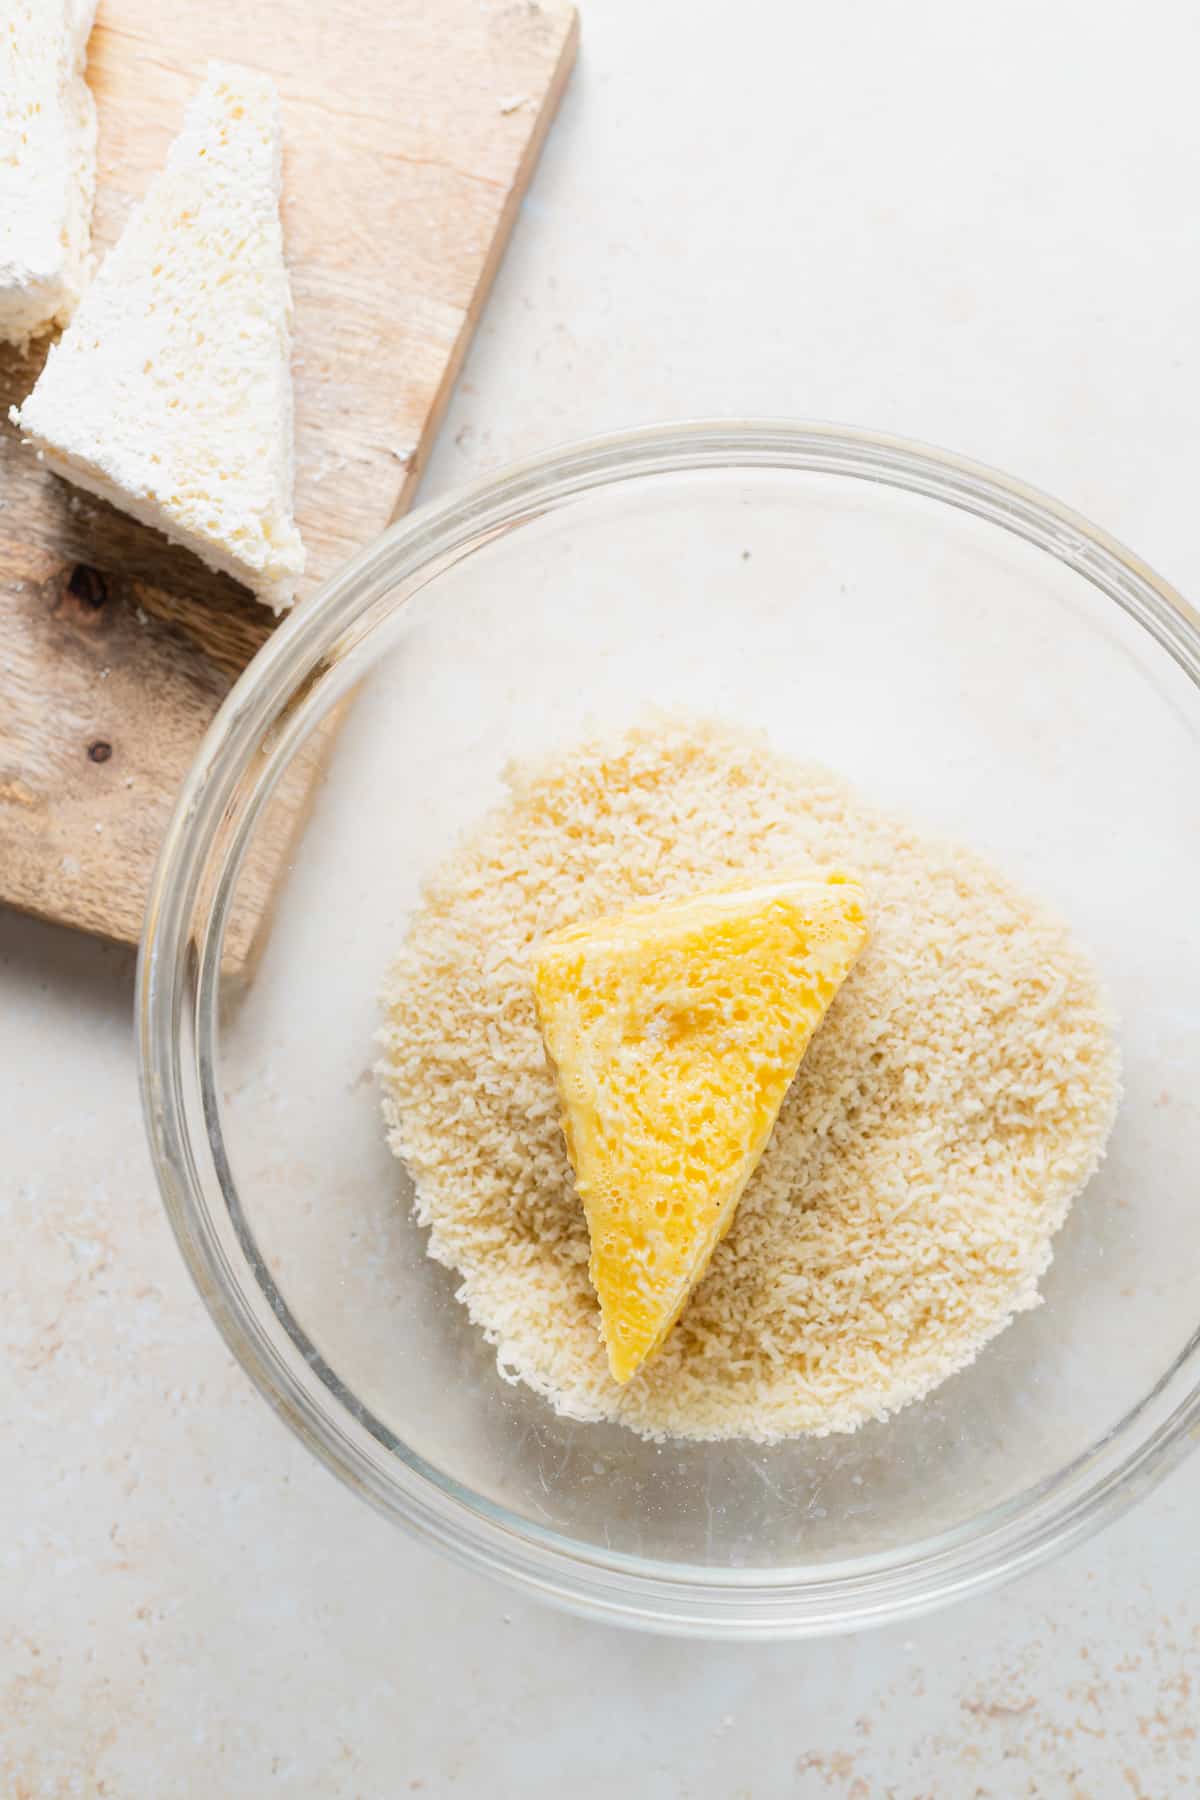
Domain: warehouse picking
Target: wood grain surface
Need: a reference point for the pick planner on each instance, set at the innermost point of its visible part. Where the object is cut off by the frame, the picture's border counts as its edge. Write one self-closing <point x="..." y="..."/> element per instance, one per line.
<point x="410" y="130"/>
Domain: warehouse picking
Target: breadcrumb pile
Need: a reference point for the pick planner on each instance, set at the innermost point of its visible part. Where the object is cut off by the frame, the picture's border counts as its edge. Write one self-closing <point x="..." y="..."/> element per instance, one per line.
<point x="956" y="1098"/>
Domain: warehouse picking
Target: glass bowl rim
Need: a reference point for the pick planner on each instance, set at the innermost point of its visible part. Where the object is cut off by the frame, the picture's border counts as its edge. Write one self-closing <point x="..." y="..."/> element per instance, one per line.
<point x="334" y="627"/>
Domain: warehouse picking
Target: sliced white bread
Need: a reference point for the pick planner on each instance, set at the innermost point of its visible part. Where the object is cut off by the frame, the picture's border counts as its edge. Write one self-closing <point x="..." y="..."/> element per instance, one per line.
<point x="170" y="394"/>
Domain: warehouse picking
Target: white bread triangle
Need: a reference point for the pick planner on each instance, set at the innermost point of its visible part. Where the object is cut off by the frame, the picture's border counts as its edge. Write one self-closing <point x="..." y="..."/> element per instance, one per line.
<point x="170" y="394"/>
<point x="47" y="163"/>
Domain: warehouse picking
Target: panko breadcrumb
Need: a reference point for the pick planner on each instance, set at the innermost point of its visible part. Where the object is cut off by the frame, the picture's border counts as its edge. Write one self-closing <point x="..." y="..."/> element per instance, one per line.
<point x="955" y="1100"/>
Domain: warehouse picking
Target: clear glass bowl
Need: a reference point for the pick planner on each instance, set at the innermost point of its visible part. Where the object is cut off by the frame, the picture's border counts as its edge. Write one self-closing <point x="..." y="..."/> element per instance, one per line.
<point x="960" y="647"/>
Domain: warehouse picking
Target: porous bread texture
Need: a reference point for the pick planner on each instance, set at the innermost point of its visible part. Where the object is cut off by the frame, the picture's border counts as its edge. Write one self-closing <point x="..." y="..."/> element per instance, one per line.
<point x="675" y="1029"/>
<point x="47" y="164"/>
<point x="170" y="394"/>
<point x="956" y="1098"/>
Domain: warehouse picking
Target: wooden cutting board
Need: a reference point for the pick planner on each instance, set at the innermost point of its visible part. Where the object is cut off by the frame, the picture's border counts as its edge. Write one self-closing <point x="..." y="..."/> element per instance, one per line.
<point x="411" y="128"/>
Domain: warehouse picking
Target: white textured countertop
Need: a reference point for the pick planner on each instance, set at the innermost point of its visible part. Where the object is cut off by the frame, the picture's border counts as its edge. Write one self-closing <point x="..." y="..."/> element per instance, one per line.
<point x="972" y="227"/>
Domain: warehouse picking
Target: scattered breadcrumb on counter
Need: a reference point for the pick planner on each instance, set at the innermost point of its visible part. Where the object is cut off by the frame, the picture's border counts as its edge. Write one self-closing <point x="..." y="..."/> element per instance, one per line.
<point x="957" y="1097"/>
